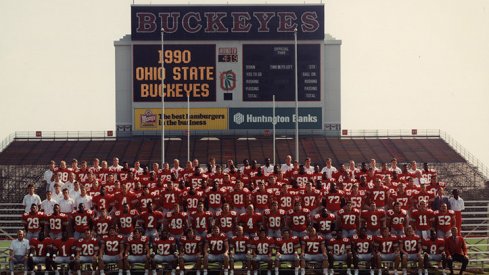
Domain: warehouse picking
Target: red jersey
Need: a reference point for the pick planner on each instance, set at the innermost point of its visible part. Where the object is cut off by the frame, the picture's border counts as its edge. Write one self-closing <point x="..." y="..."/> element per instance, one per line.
<point x="65" y="248"/>
<point x="102" y="202"/>
<point x="411" y="244"/>
<point x="403" y="199"/>
<point x="63" y="174"/>
<point x="164" y="247"/>
<point x="339" y="246"/>
<point x="113" y="245"/>
<point x="433" y="247"/>
<point x="373" y="219"/>
<point x="151" y="220"/>
<point x="216" y="244"/>
<point x="444" y="221"/>
<point x="426" y="196"/>
<point x="333" y="200"/>
<point x="397" y="220"/>
<point x="273" y="220"/>
<point x="190" y="246"/>
<point x="101" y="225"/>
<point x="82" y="220"/>
<point x="144" y="199"/>
<point x="379" y="195"/>
<point x="216" y="198"/>
<point x="422" y="219"/>
<point x="349" y="220"/>
<point x="225" y="221"/>
<point x="386" y="244"/>
<point x="312" y="245"/>
<point x="176" y="223"/>
<point x="240" y="244"/>
<point x="87" y="247"/>
<point x="126" y="221"/>
<point x="201" y="221"/>
<point x="287" y="246"/>
<point x="249" y="222"/>
<point x="196" y="181"/>
<point x="40" y="247"/>
<point x="311" y="200"/>
<point x="137" y="246"/>
<point x="262" y="199"/>
<point x="285" y="201"/>
<point x="56" y="222"/>
<point x="191" y="201"/>
<point x="121" y="198"/>
<point x="262" y="246"/>
<point x="299" y="220"/>
<point x="33" y="221"/>
<point x="356" y="200"/>
<point x="362" y="245"/>
<point x="324" y="223"/>
<point x="169" y="197"/>
<point x="411" y="191"/>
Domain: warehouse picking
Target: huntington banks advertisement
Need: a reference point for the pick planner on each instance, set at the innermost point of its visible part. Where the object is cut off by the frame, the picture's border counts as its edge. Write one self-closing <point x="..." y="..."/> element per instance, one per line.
<point x="189" y="70"/>
<point x="262" y="118"/>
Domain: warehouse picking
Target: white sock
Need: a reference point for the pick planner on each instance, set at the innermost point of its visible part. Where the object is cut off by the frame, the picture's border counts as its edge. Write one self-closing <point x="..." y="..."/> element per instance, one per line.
<point x="276" y="271"/>
<point x="420" y="271"/>
<point x="255" y="272"/>
<point x="78" y="272"/>
<point x="395" y="272"/>
<point x="356" y="271"/>
<point x="371" y="272"/>
<point x="303" y="271"/>
<point x="120" y="271"/>
<point x="225" y="272"/>
<point x="296" y="271"/>
<point x="102" y="272"/>
<point x="269" y="272"/>
<point x="425" y="271"/>
<point x="173" y="271"/>
<point x="205" y="271"/>
<point x="182" y="272"/>
<point x="46" y="272"/>
<point x="128" y="272"/>
<point x="146" y="272"/>
<point x="154" y="272"/>
<point x="198" y="272"/>
<point x="325" y="271"/>
<point x="231" y="272"/>
<point x="56" y="272"/>
<point x="404" y="271"/>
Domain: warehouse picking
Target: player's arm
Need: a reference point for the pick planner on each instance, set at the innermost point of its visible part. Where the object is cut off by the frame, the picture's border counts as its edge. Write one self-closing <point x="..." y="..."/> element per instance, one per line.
<point x="148" y="251"/>
<point x="102" y="249"/>
<point x="226" y="247"/>
<point x="323" y="249"/>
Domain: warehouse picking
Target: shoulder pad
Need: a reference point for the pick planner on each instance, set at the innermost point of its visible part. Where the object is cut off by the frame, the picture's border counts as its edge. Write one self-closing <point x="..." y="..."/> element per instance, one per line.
<point x="171" y="238"/>
<point x="198" y="238"/>
<point x="267" y="211"/>
<point x="346" y="239"/>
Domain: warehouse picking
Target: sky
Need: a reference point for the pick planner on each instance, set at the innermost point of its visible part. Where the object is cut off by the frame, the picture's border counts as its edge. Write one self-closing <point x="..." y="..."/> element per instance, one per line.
<point x="405" y="64"/>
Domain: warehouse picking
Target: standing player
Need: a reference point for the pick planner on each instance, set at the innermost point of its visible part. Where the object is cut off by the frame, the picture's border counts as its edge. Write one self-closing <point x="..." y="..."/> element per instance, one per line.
<point x="313" y="249"/>
<point x="216" y="249"/>
<point x="82" y="220"/>
<point x="397" y="219"/>
<point x="239" y="197"/>
<point x="348" y="220"/>
<point x="137" y="251"/>
<point x="55" y="223"/>
<point x="190" y="251"/>
<point x="339" y="251"/>
<point x="444" y="221"/>
<point x="422" y="220"/>
<point x="287" y="248"/>
<point x="111" y="250"/>
<point x="226" y="220"/>
<point x="176" y="222"/>
<point x="299" y="220"/>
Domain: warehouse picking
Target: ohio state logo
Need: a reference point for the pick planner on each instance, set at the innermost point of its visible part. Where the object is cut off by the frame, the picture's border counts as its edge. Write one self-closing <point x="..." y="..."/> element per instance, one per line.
<point x="228" y="80"/>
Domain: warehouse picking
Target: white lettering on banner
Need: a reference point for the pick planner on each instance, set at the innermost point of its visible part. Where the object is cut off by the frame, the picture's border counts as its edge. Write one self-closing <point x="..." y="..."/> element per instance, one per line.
<point x="239" y="118"/>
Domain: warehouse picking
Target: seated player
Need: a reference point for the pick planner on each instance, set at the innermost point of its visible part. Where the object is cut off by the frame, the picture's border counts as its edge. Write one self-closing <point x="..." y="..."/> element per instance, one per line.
<point x="397" y="219"/>
<point x="410" y="245"/>
<point x="225" y="219"/>
<point x="39" y="253"/>
<point x="251" y="221"/>
<point x="201" y="220"/>
<point x="348" y="220"/>
<point x="261" y="251"/>
<point x="151" y="220"/>
<point x="126" y="220"/>
<point x="298" y="220"/>
<point x="111" y="250"/>
<point x="137" y="251"/>
<point x="313" y="249"/>
<point x="434" y="250"/>
<point x="362" y="248"/>
<point x="190" y="251"/>
<point x="287" y="247"/>
<point x="324" y="222"/>
<point x="102" y="223"/>
<point x="274" y="220"/>
<point x="64" y="251"/>
<point x="239" y="250"/>
<point x="86" y="252"/>
<point x="216" y="250"/>
<point x="176" y="222"/>
<point x="164" y="248"/>
<point x="374" y="219"/>
<point x="387" y="248"/>
<point x="339" y="251"/>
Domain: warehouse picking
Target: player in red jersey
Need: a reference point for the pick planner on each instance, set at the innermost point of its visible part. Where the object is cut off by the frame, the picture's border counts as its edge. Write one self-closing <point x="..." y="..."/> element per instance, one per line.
<point x="434" y="250"/>
<point x="374" y="219"/>
<point x="137" y="251"/>
<point x="64" y="251"/>
<point x="274" y="220"/>
<point x="421" y="219"/>
<point x="32" y="222"/>
<point x="190" y="251"/>
<point x="285" y="198"/>
<point x="401" y="197"/>
<point x="324" y="223"/>
<point x="387" y="249"/>
<point x="176" y="222"/>
<point x="215" y="197"/>
<point x="197" y="178"/>
<point x="164" y="248"/>
<point x="111" y="250"/>
<point x="81" y="220"/>
<point x="169" y="196"/>
<point x="102" y="200"/>
<point x="56" y="223"/>
<point x="216" y="249"/>
<point x="397" y="219"/>
<point x="313" y="249"/>
<point x="145" y="197"/>
<point x="379" y="194"/>
<point x="125" y="196"/>
<point x="238" y="248"/>
<point x="311" y="198"/>
<point x="356" y="197"/>
<point x="261" y="198"/>
<point x="151" y="221"/>
<point x="348" y="220"/>
<point x="201" y="220"/>
<point x="339" y="251"/>
<point x="424" y="195"/>
<point x="287" y="248"/>
<point x="87" y="251"/>
<point x="411" y="250"/>
<point x="191" y="199"/>
<point x="411" y="189"/>
<point x="261" y="251"/>
<point x="362" y="250"/>
<point x="251" y="221"/>
<point x="298" y="220"/>
<point x="226" y="220"/>
<point x="334" y="198"/>
<point x="444" y="221"/>
<point x="102" y="223"/>
<point x="126" y="220"/>
<point x="39" y="253"/>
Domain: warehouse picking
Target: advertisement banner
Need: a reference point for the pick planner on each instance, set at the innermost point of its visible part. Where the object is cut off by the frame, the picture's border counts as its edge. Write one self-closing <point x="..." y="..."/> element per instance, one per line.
<point x="227" y="22"/>
<point x="189" y="70"/>
<point x="262" y="118"/>
<point x="149" y="119"/>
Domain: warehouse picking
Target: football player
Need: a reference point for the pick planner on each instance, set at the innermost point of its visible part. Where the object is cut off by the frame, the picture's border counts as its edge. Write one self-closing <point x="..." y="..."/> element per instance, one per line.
<point x="216" y="249"/>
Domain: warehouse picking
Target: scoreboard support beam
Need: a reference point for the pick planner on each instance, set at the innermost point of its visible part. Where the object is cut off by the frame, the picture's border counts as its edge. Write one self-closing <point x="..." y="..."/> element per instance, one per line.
<point x="296" y="98"/>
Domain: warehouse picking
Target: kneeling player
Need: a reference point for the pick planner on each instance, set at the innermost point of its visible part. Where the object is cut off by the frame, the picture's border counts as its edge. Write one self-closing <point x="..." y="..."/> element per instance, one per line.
<point x="287" y="247"/>
<point x="87" y="249"/>
<point x="434" y="250"/>
<point x="164" y="247"/>
<point x="411" y="250"/>
<point x="111" y="251"/>
<point x="387" y="250"/>
<point x="190" y="251"/>
<point x="137" y="251"/>
<point x="313" y="249"/>
<point x="239" y="250"/>
<point x="339" y="251"/>
<point x="362" y="250"/>
<point x="261" y="251"/>
<point x="216" y="249"/>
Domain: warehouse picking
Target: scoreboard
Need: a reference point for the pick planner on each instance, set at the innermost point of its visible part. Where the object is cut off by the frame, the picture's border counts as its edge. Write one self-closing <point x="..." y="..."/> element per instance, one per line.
<point x="228" y="61"/>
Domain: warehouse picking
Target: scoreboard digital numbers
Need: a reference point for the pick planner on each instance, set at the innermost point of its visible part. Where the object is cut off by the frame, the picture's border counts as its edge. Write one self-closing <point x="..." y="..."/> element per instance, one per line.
<point x="269" y="70"/>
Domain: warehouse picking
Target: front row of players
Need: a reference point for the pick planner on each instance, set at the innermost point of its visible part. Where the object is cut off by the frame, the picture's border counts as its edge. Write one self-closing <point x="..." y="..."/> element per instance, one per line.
<point x="251" y="251"/>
